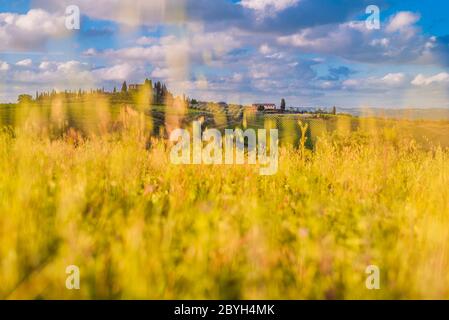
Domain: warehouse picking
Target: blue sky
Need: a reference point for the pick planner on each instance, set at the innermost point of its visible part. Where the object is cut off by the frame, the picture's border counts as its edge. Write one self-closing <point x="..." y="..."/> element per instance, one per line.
<point x="311" y="52"/>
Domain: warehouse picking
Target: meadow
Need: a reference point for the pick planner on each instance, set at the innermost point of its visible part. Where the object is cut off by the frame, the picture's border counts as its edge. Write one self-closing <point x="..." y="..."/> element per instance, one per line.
<point x="103" y="195"/>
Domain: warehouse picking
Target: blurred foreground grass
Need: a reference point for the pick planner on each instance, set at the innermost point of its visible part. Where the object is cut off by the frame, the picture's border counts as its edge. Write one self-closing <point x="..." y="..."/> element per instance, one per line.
<point x="139" y="227"/>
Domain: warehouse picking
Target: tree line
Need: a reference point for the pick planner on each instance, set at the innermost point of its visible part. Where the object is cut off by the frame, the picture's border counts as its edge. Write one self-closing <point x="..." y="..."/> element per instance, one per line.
<point x="155" y="93"/>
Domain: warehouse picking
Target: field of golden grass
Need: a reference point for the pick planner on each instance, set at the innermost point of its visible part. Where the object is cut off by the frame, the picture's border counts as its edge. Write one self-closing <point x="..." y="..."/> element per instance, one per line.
<point x="139" y="227"/>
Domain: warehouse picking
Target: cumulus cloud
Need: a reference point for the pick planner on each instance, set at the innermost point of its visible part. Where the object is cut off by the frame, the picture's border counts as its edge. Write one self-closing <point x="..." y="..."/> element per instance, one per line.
<point x="268" y="6"/>
<point x="422" y="80"/>
<point x="160" y="73"/>
<point x="265" y="49"/>
<point x="50" y="72"/>
<point x="388" y="81"/>
<point x="119" y="72"/>
<point x="46" y="75"/>
<point x="402" y="21"/>
<point x="150" y="54"/>
<point x="4" y="66"/>
<point x="24" y="63"/>
<point x="194" y="47"/>
<point x="29" y="31"/>
<point x="62" y="75"/>
<point x="128" y="12"/>
<point x="90" y="52"/>
<point x="279" y="15"/>
<point x="394" y="79"/>
<point x="146" y="41"/>
<point x="400" y="42"/>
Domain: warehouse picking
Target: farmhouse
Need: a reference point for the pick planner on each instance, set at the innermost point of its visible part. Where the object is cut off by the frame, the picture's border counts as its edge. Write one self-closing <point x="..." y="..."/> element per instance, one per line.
<point x="264" y="106"/>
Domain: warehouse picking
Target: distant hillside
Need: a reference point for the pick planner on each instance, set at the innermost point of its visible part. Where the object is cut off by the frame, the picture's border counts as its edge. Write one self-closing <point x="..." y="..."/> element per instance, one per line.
<point x="409" y="114"/>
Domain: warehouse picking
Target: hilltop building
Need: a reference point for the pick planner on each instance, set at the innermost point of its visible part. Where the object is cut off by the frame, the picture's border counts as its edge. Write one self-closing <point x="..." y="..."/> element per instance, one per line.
<point x="134" y="87"/>
<point x="264" y="106"/>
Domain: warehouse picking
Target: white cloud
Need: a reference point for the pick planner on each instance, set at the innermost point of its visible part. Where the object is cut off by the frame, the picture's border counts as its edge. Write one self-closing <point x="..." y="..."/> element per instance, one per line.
<point x="4" y="66"/>
<point x="422" y="80"/>
<point x="150" y="54"/>
<point x="175" y="52"/>
<point x="201" y="83"/>
<point x="353" y="41"/>
<point x="402" y="21"/>
<point x="268" y="5"/>
<point x="384" y="42"/>
<point x="70" y="74"/>
<point x="160" y="73"/>
<point x="319" y="39"/>
<point x="115" y="73"/>
<point x="67" y="75"/>
<point x="90" y="52"/>
<point x="237" y="77"/>
<point x="388" y="81"/>
<point x="24" y="63"/>
<point x="29" y="31"/>
<point x="47" y="65"/>
<point x="171" y="57"/>
<point x="146" y="41"/>
<point x="218" y="43"/>
<point x="265" y="49"/>
<point x="127" y="12"/>
<point x="55" y="73"/>
<point x="394" y="79"/>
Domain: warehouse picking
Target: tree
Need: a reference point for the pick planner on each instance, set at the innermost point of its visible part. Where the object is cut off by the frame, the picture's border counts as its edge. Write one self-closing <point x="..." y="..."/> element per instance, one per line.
<point x="158" y="91"/>
<point x="24" y="98"/>
<point x="124" y="87"/>
<point x="283" y="104"/>
<point x="115" y="90"/>
<point x="334" y="111"/>
<point x="148" y="88"/>
<point x="149" y="83"/>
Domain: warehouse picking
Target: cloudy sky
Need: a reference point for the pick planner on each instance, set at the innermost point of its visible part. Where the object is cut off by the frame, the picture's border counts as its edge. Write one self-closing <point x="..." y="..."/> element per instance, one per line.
<point x="311" y="52"/>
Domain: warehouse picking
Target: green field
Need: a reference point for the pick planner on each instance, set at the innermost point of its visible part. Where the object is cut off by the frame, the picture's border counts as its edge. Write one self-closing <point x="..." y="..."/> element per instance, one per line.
<point x="92" y="185"/>
<point x="86" y="116"/>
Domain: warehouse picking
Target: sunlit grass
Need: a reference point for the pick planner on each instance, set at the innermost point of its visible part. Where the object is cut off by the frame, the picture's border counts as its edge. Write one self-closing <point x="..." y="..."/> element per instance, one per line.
<point x="139" y="227"/>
